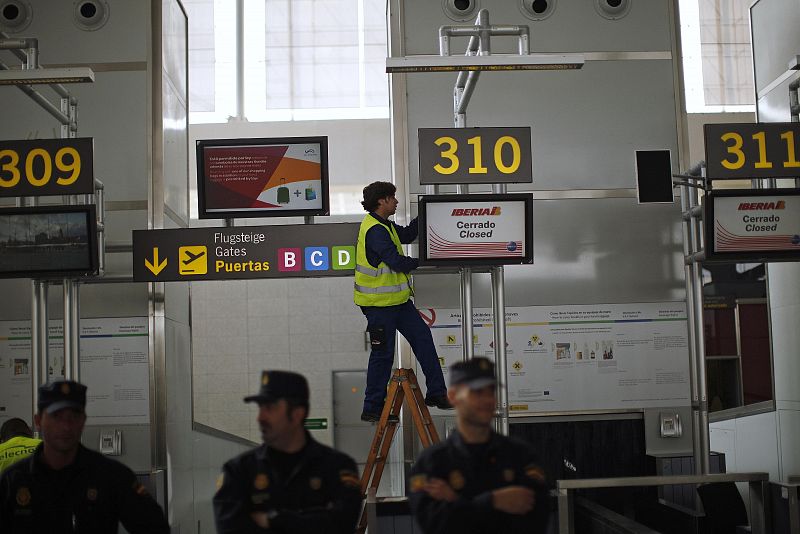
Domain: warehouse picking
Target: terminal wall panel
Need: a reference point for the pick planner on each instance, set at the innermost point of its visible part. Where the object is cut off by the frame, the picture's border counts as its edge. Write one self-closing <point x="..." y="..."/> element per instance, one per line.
<point x="774" y="26"/>
<point x="573" y="27"/>
<point x="585" y="125"/>
<point x="585" y="251"/>
<point x="124" y="37"/>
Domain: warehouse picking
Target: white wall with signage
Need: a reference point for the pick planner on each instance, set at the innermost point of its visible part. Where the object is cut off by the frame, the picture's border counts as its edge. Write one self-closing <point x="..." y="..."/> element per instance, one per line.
<point x="582" y="357"/>
<point x="114" y="366"/>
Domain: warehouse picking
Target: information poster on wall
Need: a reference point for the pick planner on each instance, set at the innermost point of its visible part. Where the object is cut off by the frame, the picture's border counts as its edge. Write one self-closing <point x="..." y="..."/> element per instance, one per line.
<point x="578" y="358"/>
<point x="114" y="366"/>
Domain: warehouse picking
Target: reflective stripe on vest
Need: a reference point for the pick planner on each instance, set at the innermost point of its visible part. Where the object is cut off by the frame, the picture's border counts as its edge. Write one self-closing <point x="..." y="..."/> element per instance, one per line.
<point x="378" y="285"/>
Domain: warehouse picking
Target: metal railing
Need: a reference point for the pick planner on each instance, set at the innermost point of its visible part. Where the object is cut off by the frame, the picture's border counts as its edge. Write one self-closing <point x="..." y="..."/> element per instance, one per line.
<point x="758" y="483"/>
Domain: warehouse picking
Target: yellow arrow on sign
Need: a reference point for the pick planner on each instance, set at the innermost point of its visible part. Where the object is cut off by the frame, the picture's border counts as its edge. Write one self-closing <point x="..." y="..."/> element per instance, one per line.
<point x="155" y="267"/>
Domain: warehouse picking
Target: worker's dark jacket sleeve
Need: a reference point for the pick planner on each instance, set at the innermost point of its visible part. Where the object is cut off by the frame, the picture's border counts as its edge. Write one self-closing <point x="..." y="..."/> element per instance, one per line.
<point x="380" y="247"/>
<point x="321" y="496"/>
<point x="506" y="462"/>
<point x="93" y="495"/>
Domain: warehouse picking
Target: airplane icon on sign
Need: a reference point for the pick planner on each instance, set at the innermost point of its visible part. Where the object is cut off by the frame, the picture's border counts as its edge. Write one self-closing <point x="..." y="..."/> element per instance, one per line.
<point x="191" y="257"/>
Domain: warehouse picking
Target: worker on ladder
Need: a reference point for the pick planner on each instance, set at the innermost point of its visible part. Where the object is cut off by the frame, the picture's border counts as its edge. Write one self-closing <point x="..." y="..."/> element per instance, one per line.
<point x="383" y="290"/>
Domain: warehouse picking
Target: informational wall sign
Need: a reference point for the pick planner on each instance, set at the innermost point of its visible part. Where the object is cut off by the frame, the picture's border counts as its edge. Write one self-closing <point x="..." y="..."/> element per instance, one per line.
<point x="40" y="167"/>
<point x="755" y="225"/>
<point x="761" y="150"/>
<point x="476" y="229"/>
<point x="275" y="177"/>
<point x="114" y="366"/>
<point x="475" y="155"/>
<point x="244" y="252"/>
<point x="578" y="358"/>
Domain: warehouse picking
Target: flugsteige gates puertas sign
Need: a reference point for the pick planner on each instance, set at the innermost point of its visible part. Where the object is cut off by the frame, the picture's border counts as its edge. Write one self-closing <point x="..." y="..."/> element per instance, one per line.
<point x="244" y="252"/>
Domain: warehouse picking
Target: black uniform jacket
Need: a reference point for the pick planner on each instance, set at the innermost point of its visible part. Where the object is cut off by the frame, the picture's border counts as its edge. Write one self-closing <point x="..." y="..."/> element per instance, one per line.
<point x="321" y="495"/>
<point x="473" y="475"/>
<point x="90" y="496"/>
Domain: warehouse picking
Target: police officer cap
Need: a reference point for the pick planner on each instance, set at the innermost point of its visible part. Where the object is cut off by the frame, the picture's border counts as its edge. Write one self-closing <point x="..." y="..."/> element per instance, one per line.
<point x="475" y="373"/>
<point x="62" y="394"/>
<point x="280" y="385"/>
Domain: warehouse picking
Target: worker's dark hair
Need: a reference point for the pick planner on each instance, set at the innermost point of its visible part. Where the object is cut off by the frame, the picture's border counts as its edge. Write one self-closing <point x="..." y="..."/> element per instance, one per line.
<point x="376" y="191"/>
<point x="13" y="428"/>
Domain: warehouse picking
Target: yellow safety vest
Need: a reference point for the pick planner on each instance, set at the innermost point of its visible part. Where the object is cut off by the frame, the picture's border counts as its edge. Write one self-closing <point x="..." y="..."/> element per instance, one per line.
<point x="16" y="449"/>
<point x="378" y="285"/>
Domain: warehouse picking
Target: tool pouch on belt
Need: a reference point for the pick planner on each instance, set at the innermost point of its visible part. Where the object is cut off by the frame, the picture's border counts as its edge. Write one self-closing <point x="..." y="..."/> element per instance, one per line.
<point x="377" y="337"/>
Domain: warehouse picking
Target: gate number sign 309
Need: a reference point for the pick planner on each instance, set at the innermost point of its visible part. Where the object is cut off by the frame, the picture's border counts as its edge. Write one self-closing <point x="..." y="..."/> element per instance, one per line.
<point x="46" y="167"/>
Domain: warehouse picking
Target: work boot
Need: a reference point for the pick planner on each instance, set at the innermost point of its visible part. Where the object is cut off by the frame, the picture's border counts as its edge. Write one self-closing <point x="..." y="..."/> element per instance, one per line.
<point x="439" y="401"/>
<point x="373" y="417"/>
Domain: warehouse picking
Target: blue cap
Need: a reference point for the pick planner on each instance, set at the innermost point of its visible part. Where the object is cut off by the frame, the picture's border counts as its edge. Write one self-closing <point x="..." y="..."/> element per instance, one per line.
<point x="280" y="385"/>
<point x="62" y="394"/>
<point x="475" y="373"/>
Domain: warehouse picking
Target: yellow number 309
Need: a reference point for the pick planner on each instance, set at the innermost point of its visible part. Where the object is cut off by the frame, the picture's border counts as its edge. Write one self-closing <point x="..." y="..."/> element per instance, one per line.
<point x="67" y="160"/>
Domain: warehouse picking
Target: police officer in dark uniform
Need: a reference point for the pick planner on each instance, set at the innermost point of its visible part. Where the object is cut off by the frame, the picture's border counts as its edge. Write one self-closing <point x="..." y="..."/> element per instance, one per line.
<point x="291" y="483"/>
<point x="65" y="487"/>
<point x="477" y="481"/>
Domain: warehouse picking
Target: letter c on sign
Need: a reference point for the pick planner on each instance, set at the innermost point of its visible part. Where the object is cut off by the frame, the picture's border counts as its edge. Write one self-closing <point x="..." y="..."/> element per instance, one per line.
<point x="315" y="261"/>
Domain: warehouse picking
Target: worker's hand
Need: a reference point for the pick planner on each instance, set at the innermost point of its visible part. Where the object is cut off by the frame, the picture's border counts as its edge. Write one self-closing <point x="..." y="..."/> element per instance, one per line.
<point x="260" y="519"/>
<point x="517" y="500"/>
<point x="440" y="490"/>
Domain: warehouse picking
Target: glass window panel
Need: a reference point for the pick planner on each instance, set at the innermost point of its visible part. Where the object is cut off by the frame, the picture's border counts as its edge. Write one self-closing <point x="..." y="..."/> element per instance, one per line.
<point x="719" y="326"/>
<point x="756" y="360"/>
<point x="723" y="384"/>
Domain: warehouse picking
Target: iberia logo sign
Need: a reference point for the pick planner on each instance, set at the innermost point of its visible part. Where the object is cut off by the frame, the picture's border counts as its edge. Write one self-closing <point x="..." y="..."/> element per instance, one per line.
<point x="475" y="212"/>
<point x="779" y="205"/>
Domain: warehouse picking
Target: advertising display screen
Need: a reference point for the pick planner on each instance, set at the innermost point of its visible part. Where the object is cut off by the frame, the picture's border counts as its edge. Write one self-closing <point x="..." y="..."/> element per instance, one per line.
<point x="476" y="229"/>
<point x="47" y="241"/>
<point x="252" y="178"/>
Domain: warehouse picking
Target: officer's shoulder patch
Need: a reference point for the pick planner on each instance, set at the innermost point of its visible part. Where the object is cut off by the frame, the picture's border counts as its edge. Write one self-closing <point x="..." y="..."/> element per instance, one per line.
<point x="349" y="478"/>
<point x="91" y="494"/>
<point x="315" y="483"/>
<point x="139" y="488"/>
<point x="456" y="479"/>
<point x="23" y="496"/>
<point x="535" y="472"/>
<point x="261" y="481"/>
<point x="417" y="482"/>
<point x="220" y="480"/>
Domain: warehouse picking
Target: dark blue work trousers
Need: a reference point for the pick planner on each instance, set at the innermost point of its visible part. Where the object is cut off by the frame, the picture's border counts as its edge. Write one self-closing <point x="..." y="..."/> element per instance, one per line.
<point x="383" y="324"/>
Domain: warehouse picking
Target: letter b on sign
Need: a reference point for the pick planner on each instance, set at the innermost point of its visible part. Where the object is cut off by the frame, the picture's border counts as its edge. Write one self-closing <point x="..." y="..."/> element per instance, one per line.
<point x="289" y="259"/>
<point x="344" y="258"/>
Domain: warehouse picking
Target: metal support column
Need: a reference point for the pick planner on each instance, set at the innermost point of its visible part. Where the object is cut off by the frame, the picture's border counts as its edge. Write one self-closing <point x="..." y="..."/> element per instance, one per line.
<point x="467" y="327"/>
<point x="39" y="340"/>
<point x="699" y="340"/>
<point x="692" y="327"/>
<point x="500" y="357"/>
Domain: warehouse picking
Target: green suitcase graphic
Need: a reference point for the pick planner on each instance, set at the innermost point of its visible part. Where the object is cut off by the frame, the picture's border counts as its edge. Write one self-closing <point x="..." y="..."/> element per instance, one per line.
<point x="283" y="192"/>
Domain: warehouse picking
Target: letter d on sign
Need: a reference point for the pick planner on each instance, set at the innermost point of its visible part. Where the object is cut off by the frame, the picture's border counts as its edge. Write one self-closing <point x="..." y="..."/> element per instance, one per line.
<point x="287" y="259"/>
<point x="344" y="258"/>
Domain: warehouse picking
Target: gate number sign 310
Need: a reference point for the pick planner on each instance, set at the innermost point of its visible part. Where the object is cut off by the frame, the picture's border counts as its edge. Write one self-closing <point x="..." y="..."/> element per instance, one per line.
<point x="451" y="155"/>
<point x="494" y="155"/>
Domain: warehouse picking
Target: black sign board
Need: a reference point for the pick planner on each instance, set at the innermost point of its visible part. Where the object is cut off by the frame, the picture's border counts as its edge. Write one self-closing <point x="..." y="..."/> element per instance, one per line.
<point x="41" y="167"/>
<point x="752" y="225"/>
<point x="475" y="155"/>
<point x="244" y="252"/>
<point x="760" y="150"/>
